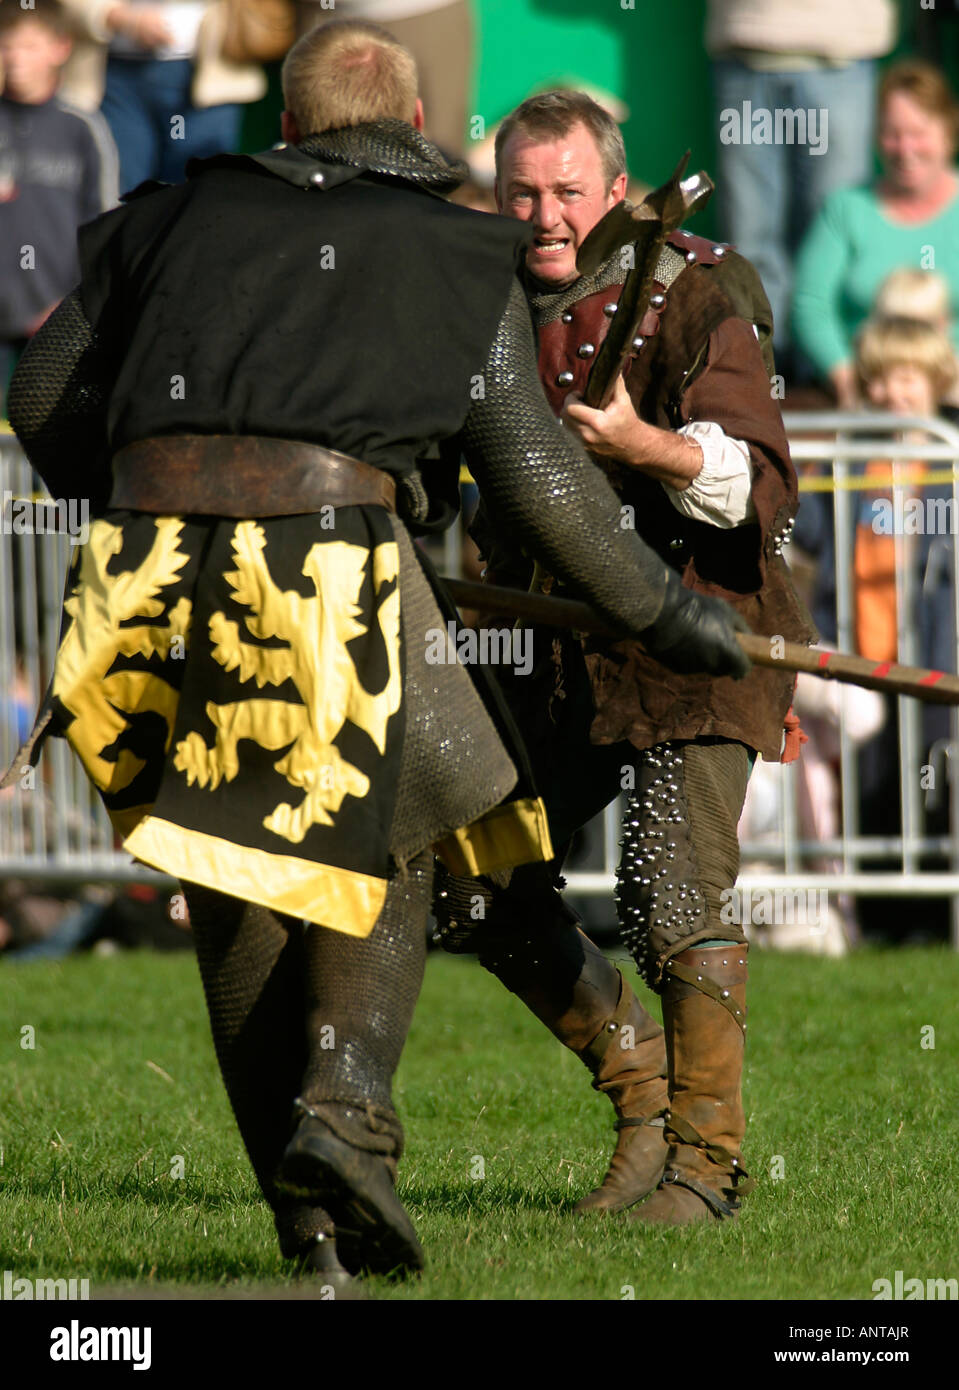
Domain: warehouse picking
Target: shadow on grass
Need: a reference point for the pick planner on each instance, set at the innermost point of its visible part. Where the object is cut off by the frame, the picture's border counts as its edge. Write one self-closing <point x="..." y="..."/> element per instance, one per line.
<point x="160" y="1192"/>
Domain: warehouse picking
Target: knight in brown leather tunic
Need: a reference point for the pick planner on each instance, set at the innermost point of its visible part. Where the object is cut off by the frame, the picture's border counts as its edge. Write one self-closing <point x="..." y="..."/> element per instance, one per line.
<point x="694" y="444"/>
<point x="700" y="360"/>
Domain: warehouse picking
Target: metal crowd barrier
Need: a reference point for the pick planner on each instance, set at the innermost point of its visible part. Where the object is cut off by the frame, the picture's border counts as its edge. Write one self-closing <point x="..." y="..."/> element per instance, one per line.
<point x="57" y="830"/>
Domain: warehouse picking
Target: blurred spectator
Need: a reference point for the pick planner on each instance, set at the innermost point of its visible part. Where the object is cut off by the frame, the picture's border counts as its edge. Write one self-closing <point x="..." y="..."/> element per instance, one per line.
<point x="821" y="706"/>
<point x="439" y="34"/>
<point x="920" y="294"/>
<point x="57" y="169"/>
<point x="38" y="922"/>
<point x="905" y="367"/>
<point x="773" y="59"/>
<point x="156" y="70"/>
<point x="914" y="294"/>
<point x="909" y="218"/>
<point x="16" y="709"/>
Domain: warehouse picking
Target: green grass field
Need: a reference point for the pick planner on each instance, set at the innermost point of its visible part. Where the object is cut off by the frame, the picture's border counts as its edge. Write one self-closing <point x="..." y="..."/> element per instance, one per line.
<point x="841" y="1098"/>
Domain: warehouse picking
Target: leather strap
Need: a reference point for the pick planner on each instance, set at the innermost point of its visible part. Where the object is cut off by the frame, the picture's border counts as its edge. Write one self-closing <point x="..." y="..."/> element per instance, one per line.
<point x="598" y="1048"/>
<point x="629" y="1121"/>
<point x="707" y="986"/>
<point x="242" y="476"/>
<point x="716" y="1204"/>
<point x="687" y="1134"/>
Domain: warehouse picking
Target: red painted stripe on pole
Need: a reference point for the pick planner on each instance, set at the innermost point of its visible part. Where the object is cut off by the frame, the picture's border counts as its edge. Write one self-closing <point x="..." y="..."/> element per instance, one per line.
<point x="931" y="677"/>
<point x="882" y="669"/>
<point x="825" y="658"/>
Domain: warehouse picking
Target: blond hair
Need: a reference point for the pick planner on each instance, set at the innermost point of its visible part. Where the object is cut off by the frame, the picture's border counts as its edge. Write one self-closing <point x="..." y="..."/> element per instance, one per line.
<point x="884" y="343"/>
<point x="913" y="294"/>
<point x="348" y="73"/>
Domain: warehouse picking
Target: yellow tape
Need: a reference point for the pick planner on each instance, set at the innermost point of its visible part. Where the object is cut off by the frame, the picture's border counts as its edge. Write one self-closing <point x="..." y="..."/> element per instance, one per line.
<point x="875" y="484"/>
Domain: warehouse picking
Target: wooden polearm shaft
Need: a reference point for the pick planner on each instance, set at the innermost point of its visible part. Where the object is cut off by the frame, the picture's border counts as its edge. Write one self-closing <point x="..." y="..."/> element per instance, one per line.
<point x="935" y="687"/>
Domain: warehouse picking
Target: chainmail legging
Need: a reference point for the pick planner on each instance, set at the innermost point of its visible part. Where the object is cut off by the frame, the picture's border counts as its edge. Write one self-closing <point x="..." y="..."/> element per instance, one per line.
<point x="310" y="1013"/>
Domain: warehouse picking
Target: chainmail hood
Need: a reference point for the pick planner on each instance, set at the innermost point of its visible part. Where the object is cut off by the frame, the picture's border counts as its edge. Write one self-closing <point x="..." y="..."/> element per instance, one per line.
<point x="388" y="147"/>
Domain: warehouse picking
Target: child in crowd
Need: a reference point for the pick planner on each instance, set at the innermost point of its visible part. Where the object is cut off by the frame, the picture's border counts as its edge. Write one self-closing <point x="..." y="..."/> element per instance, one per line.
<point x="907" y="367"/>
<point x="924" y="295"/>
<point x="58" y="168"/>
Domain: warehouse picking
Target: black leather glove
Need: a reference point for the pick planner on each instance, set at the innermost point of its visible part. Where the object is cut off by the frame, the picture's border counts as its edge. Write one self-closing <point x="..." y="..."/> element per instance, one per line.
<point x="695" y="632"/>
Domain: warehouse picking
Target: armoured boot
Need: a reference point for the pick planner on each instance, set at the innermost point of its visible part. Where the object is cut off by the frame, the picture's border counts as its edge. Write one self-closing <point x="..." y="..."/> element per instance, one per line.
<point x="343" y="1156"/>
<point x="318" y="1260"/>
<point x="704" y="1012"/>
<point x="252" y="965"/>
<point x="567" y="982"/>
<point x="345" y="1161"/>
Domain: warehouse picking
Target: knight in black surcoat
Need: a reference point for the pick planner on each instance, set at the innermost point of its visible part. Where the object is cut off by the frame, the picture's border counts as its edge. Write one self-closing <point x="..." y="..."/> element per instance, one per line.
<point x="264" y="384"/>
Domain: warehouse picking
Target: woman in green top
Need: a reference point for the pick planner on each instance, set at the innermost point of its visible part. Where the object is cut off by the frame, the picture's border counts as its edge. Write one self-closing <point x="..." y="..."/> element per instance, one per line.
<point x="910" y="217"/>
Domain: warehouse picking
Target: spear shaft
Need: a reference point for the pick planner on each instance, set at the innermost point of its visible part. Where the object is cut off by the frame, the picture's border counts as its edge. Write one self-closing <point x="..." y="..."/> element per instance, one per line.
<point x="934" y="687"/>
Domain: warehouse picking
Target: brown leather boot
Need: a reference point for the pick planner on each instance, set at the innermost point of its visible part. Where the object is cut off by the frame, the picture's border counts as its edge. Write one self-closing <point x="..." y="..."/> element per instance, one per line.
<point x="628" y="1061"/>
<point x="534" y="947"/>
<point x="704" y="1012"/>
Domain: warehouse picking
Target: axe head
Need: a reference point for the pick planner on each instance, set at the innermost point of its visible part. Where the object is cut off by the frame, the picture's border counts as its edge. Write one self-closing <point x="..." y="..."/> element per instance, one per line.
<point x="660" y="213"/>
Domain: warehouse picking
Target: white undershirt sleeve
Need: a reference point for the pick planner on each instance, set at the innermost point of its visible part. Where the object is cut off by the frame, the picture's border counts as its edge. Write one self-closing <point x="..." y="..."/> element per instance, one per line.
<point x="722" y="492"/>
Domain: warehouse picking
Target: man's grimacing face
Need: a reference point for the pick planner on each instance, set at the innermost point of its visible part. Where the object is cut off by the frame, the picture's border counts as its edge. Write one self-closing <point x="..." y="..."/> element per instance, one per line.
<point x="559" y="186"/>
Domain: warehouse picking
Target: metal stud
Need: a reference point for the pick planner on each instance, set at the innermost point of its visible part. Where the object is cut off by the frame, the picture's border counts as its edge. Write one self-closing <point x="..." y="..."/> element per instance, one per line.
<point x="657" y="300"/>
<point x="565" y="379"/>
<point x="567" y="317"/>
<point x="585" y="350"/>
<point x="719" y="250"/>
<point x="637" y="344"/>
<point x="610" y="309"/>
<point x="676" y="544"/>
<point x="690" y="257"/>
<point x="317" y="179"/>
<point x="726" y="996"/>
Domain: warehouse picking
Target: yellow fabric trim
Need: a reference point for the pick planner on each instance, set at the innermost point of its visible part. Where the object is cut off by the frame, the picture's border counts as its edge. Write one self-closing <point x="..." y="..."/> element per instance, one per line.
<point x="125" y="822"/>
<point x="516" y="833"/>
<point x="329" y="897"/>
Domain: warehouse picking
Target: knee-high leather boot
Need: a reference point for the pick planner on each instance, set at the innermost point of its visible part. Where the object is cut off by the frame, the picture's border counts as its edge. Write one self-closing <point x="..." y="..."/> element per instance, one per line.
<point x="567" y="982"/>
<point x="704" y="1012"/>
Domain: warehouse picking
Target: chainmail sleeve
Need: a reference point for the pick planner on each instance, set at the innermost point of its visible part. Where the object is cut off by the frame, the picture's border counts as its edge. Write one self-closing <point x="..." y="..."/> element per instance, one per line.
<point x="57" y="405"/>
<point x="542" y="488"/>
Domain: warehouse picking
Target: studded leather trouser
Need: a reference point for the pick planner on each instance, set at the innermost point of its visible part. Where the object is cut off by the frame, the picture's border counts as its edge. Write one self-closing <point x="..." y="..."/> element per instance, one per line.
<point x="681" y="851"/>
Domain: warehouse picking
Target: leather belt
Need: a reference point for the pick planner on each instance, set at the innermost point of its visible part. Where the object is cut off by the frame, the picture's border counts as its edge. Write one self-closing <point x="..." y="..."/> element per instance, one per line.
<point x="238" y="475"/>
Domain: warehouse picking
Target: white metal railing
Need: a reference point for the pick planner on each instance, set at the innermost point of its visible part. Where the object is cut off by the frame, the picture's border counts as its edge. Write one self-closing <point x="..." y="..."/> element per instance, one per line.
<point x="59" y="831"/>
<point x="840" y="441"/>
